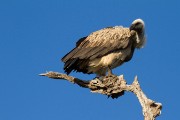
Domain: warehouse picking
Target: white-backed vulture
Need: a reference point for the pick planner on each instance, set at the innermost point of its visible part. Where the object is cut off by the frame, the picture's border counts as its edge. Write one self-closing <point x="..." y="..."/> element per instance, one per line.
<point x="105" y="49"/>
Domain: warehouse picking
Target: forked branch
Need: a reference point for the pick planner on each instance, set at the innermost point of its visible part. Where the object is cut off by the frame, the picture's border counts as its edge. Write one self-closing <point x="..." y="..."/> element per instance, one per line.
<point x="114" y="86"/>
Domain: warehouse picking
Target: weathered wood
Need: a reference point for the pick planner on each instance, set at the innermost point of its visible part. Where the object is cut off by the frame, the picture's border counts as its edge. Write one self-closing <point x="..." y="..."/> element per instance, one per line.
<point x="114" y="87"/>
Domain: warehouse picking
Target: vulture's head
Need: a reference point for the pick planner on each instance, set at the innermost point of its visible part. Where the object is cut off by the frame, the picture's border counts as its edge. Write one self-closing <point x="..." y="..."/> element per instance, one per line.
<point x="139" y="26"/>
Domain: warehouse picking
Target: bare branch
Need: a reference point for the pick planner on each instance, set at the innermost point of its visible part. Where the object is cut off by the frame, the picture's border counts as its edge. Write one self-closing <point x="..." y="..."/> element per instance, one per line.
<point x="114" y="86"/>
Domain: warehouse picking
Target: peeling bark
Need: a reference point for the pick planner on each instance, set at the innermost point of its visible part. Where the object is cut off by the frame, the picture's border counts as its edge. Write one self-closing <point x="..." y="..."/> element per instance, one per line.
<point x="114" y="87"/>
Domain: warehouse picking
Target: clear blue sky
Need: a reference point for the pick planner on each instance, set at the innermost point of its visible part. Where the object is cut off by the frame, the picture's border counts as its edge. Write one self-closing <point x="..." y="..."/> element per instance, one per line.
<point x="35" y="34"/>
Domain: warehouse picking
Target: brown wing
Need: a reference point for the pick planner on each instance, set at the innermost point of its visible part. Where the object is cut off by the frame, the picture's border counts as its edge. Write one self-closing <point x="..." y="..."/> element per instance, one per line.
<point x="100" y="43"/>
<point x="96" y="45"/>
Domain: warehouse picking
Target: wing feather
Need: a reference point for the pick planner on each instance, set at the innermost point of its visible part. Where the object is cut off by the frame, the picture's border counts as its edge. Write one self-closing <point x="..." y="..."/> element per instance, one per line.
<point x="96" y="45"/>
<point x="100" y="43"/>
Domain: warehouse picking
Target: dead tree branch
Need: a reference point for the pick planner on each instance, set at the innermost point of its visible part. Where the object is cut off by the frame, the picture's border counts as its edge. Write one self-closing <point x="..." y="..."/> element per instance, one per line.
<point x="114" y="86"/>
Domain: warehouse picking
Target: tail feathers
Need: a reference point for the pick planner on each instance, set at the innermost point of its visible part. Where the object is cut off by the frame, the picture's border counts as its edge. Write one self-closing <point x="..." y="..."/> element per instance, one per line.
<point x="75" y="65"/>
<point x="69" y="65"/>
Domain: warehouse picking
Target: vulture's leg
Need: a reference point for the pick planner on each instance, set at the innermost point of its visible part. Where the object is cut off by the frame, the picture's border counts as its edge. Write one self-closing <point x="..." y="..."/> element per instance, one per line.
<point x="109" y="71"/>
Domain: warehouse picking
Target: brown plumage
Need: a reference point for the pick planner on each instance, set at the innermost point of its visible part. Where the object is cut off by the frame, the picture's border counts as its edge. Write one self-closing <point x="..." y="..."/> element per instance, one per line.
<point x="105" y="49"/>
